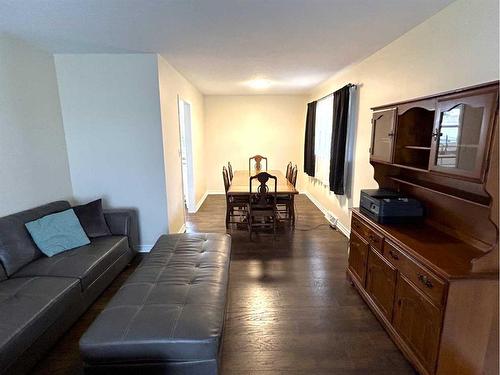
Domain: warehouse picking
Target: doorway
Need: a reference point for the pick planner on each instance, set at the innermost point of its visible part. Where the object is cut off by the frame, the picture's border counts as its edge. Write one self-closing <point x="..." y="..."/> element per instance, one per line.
<point x="186" y="155"/>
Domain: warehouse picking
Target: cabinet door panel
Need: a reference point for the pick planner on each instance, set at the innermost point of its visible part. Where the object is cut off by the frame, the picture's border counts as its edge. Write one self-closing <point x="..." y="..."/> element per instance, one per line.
<point x="461" y="130"/>
<point x="418" y="322"/>
<point x="358" y="256"/>
<point x="383" y="135"/>
<point x="381" y="283"/>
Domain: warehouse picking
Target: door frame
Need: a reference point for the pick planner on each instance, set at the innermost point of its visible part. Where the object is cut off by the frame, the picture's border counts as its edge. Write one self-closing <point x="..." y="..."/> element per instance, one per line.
<point x="185" y="129"/>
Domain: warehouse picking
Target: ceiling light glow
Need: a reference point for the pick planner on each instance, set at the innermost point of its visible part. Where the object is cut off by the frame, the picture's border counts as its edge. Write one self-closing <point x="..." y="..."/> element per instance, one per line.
<point x="259" y="83"/>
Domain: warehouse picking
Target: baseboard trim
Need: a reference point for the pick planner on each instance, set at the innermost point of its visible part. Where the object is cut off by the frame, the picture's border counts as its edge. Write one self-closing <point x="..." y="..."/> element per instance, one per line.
<point x="200" y="203"/>
<point x="315" y="202"/>
<point x="338" y="225"/>
<point x="144" y="248"/>
<point x="343" y="229"/>
<point x="215" y="192"/>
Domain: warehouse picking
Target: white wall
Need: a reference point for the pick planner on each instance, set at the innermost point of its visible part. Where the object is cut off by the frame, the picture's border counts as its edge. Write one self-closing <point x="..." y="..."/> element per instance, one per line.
<point x="111" y="112"/>
<point x="457" y="47"/>
<point x="33" y="161"/>
<point x="172" y="86"/>
<point x="238" y="127"/>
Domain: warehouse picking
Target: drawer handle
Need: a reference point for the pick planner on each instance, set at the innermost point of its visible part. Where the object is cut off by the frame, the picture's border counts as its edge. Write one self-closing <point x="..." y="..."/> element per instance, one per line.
<point x="393" y="255"/>
<point x="425" y="280"/>
<point x="373" y="238"/>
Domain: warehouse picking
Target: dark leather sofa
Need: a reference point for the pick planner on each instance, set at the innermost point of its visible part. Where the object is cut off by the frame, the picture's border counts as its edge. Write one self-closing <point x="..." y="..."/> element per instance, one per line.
<point x="41" y="297"/>
<point x="168" y="317"/>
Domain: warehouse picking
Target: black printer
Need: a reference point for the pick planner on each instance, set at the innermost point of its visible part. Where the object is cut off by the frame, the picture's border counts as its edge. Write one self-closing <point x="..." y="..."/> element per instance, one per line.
<point x="390" y="207"/>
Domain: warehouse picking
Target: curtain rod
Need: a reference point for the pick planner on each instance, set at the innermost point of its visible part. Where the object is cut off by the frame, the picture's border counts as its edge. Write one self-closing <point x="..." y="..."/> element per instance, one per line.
<point x="323" y="97"/>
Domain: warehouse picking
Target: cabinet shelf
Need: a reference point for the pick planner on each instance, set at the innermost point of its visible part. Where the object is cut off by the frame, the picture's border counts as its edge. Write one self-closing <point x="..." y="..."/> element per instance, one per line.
<point x="446" y="191"/>
<point x="402" y="166"/>
<point x="411" y="168"/>
<point x="418" y="148"/>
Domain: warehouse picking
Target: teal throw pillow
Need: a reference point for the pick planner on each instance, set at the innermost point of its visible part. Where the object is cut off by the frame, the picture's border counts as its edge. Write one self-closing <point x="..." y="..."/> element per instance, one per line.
<point x="57" y="232"/>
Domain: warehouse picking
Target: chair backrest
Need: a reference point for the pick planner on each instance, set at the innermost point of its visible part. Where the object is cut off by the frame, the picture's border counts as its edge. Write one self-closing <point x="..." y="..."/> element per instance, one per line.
<point x="288" y="174"/>
<point x="263" y="196"/>
<point x="258" y="159"/>
<point x="230" y="169"/>
<point x="225" y="177"/>
<point x="293" y="178"/>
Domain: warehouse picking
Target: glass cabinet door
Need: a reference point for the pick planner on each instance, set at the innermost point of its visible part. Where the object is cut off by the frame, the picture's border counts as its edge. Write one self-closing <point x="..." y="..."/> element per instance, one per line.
<point x="383" y="135"/>
<point x="460" y="134"/>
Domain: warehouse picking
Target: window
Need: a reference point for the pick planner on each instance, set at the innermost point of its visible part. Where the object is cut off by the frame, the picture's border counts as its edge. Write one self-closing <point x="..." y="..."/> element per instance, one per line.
<point x="323" y="138"/>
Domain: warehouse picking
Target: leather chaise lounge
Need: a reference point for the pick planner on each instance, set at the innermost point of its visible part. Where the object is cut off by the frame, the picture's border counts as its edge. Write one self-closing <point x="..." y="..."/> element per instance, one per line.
<point x="41" y="297"/>
<point x="168" y="317"/>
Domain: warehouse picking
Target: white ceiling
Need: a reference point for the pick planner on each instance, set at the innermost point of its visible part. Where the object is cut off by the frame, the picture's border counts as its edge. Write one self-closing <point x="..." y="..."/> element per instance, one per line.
<point x="220" y="44"/>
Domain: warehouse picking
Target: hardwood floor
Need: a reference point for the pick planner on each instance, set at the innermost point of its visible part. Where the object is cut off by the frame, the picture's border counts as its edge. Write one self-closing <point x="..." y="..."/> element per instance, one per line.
<point x="291" y="309"/>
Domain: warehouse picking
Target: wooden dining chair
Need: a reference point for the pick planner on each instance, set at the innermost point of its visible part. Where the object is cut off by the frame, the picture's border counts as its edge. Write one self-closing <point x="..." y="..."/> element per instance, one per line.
<point x="257" y="159"/>
<point x="230" y="170"/>
<point x="261" y="209"/>
<point x="286" y="202"/>
<point x="293" y="176"/>
<point x="288" y="171"/>
<point x="235" y="208"/>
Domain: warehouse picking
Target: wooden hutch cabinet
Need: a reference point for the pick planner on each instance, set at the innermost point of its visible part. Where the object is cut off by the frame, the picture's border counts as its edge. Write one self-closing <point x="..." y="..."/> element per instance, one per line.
<point x="434" y="284"/>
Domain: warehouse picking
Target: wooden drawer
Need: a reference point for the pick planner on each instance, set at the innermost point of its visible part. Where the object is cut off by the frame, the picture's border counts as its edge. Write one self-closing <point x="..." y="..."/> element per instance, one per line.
<point x="375" y="239"/>
<point x="358" y="257"/>
<point x="426" y="281"/>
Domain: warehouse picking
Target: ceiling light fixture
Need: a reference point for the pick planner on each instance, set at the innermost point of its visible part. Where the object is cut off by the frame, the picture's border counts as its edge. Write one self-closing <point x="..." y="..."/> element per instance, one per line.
<point x="259" y="83"/>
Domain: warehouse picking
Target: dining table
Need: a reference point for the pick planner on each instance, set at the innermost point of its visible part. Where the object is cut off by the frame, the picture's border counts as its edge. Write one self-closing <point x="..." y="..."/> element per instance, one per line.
<point x="240" y="184"/>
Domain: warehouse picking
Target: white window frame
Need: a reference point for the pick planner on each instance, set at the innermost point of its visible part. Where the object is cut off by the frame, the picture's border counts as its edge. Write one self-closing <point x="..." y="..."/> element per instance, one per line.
<point x="323" y="139"/>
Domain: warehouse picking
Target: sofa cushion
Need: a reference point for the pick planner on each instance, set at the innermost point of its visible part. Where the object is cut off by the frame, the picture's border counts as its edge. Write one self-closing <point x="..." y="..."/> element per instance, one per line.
<point x="92" y="219"/>
<point x="17" y="249"/>
<point x="28" y="307"/>
<point x="172" y="308"/>
<point x="86" y="263"/>
<point x="57" y="232"/>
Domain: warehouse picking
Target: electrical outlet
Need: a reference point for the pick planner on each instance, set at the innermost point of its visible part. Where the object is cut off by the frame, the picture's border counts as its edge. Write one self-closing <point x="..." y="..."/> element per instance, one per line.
<point x="332" y="219"/>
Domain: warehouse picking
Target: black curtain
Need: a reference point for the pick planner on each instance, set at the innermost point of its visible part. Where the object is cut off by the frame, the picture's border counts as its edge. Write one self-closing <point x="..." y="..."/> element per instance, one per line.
<point x="339" y="138"/>
<point x="309" y="158"/>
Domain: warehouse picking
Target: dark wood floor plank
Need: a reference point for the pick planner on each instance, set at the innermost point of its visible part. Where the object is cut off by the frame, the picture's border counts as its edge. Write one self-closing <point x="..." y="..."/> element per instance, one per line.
<point x="290" y="309"/>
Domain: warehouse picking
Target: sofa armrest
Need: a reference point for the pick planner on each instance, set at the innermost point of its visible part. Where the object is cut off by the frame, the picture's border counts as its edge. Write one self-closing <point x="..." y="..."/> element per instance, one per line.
<point x="123" y="222"/>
